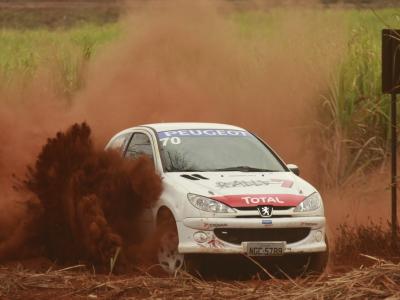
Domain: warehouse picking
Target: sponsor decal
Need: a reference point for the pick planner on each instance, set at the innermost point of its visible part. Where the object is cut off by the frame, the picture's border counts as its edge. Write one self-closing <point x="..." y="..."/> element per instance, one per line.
<point x="308" y="224"/>
<point x="283" y="182"/>
<point x="264" y="200"/>
<point x="214" y="242"/>
<point x="265" y="211"/>
<point x="260" y="200"/>
<point x="214" y="225"/>
<point x="266" y="222"/>
<point x="248" y="183"/>
<point x="202" y="133"/>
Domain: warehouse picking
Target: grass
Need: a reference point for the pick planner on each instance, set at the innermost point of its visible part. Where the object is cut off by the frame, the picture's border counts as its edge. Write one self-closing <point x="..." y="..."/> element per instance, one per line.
<point x="381" y="281"/>
<point x="353" y="113"/>
<point x="371" y="239"/>
<point x="354" y="104"/>
<point x="24" y="52"/>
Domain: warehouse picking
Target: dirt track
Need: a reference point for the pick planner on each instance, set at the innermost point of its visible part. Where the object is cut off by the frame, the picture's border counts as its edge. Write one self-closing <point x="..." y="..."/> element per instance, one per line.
<point x="380" y="281"/>
<point x="44" y="282"/>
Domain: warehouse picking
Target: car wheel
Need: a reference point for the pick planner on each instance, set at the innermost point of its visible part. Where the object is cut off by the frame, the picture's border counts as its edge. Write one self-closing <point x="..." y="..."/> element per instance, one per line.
<point x="168" y="255"/>
<point x="319" y="261"/>
<point x="297" y="265"/>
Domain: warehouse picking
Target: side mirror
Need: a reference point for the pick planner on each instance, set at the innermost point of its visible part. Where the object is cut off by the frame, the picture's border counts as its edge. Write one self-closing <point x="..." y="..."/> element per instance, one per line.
<point x="295" y="169"/>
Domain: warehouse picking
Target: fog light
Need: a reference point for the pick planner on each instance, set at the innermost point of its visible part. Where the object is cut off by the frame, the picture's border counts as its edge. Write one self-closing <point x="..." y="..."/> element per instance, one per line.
<point x="200" y="236"/>
<point x="318" y="235"/>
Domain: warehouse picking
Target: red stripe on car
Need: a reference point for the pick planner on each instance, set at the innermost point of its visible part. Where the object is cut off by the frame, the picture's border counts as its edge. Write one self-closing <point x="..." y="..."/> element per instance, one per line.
<point x="260" y="199"/>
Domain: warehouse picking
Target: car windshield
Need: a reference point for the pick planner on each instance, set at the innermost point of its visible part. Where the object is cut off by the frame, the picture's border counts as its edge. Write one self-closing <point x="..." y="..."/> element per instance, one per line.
<point x="209" y="150"/>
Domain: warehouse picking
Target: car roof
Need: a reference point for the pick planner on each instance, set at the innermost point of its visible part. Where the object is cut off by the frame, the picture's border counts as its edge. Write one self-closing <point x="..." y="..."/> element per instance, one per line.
<point x="158" y="127"/>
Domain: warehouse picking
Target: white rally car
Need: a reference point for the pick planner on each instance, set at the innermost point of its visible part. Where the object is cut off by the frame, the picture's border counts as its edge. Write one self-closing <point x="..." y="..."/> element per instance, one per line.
<point x="226" y="192"/>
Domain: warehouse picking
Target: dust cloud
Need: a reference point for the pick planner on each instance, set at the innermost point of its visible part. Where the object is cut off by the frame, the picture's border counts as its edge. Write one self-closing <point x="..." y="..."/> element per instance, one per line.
<point x="362" y="201"/>
<point x="28" y="115"/>
<point x="180" y="61"/>
<point x="91" y="199"/>
<point x="85" y="203"/>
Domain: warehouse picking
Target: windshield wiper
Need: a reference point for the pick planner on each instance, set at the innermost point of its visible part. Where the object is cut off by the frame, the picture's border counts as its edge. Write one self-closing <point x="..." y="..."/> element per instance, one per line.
<point x="185" y="170"/>
<point x="238" y="168"/>
<point x="188" y="170"/>
<point x="245" y="169"/>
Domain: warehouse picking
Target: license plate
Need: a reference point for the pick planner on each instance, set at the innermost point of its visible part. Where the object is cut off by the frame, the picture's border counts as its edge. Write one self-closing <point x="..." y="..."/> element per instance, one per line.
<point x="266" y="248"/>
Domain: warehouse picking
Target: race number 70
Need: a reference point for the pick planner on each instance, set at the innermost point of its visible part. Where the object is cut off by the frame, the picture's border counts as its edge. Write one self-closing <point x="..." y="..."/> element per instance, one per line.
<point x="172" y="140"/>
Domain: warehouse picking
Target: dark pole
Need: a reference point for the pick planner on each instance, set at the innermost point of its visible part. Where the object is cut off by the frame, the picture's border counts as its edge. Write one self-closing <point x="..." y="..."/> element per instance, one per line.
<point x="394" y="169"/>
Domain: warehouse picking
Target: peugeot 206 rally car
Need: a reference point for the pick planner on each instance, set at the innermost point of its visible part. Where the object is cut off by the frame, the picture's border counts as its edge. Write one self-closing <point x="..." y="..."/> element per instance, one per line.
<point x="226" y="192"/>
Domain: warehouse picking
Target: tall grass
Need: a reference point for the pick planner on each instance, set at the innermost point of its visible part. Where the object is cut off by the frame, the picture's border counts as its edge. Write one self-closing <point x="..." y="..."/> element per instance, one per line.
<point x="357" y="131"/>
<point x="23" y="53"/>
<point x="353" y="113"/>
<point x="372" y="239"/>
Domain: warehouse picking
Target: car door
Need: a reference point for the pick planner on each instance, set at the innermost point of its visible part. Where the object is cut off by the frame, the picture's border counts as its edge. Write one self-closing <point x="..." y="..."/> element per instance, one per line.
<point x="140" y="144"/>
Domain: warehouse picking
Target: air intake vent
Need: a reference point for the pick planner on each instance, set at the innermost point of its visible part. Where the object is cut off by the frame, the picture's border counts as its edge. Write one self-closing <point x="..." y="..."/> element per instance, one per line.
<point x="199" y="176"/>
<point x="194" y="177"/>
<point x="190" y="177"/>
<point x="239" y="235"/>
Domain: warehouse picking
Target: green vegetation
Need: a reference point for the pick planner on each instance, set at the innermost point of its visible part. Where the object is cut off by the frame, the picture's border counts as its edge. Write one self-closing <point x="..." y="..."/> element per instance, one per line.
<point x="358" y="111"/>
<point x="354" y="114"/>
<point x="62" y="52"/>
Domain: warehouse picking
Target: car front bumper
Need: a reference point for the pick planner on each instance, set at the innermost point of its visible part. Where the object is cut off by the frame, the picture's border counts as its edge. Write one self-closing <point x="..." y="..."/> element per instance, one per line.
<point x="199" y="235"/>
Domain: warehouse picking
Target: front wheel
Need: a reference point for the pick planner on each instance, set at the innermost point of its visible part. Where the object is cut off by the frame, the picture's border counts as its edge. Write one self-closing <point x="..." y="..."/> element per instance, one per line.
<point x="319" y="261"/>
<point x="314" y="263"/>
<point x="168" y="256"/>
<point x="297" y="265"/>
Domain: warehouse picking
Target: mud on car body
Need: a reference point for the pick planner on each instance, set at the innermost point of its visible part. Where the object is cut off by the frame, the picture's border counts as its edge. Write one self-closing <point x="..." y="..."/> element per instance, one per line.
<point x="226" y="192"/>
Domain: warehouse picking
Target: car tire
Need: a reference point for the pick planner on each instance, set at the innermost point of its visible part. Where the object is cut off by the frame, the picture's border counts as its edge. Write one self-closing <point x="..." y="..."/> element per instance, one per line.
<point x="168" y="256"/>
<point x="319" y="261"/>
<point x="297" y="265"/>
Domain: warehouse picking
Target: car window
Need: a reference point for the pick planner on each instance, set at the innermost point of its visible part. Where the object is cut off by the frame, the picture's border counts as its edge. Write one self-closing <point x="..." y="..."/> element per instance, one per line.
<point x="203" y="150"/>
<point x="139" y="145"/>
<point x="119" y="143"/>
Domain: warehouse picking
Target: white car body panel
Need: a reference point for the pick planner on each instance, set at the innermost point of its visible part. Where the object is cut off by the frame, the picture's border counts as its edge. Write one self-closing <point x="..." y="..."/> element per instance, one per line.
<point x="243" y="191"/>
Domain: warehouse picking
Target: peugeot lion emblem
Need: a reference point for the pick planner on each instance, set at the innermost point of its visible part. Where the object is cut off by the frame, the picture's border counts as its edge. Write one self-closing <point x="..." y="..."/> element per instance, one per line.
<point x="265" y="211"/>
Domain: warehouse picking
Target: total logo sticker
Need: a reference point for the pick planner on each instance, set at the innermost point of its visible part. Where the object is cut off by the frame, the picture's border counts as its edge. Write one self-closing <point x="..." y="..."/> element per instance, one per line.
<point x="262" y="200"/>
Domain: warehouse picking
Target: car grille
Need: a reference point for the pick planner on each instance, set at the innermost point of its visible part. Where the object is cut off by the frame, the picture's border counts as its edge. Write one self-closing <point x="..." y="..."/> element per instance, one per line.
<point x="273" y="216"/>
<point x="239" y="235"/>
<point x="254" y="208"/>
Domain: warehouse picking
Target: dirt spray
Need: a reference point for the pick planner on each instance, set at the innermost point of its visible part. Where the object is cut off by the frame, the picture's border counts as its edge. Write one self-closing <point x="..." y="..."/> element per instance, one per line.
<point x="174" y="61"/>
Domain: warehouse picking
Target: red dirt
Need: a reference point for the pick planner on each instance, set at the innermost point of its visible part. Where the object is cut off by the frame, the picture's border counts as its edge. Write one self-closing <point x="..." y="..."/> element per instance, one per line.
<point x="88" y="200"/>
<point x="162" y="71"/>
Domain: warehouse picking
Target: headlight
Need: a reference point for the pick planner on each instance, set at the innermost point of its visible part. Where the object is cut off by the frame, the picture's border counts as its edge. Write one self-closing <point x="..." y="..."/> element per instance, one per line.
<point x="207" y="204"/>
<point x="312" y="202"/>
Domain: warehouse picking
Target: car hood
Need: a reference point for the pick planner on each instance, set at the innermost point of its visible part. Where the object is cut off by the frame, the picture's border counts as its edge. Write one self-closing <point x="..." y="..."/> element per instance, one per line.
<point x="244" y="189"/>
